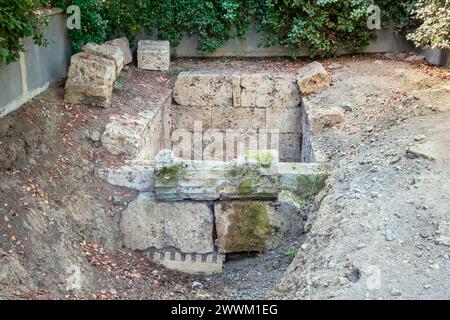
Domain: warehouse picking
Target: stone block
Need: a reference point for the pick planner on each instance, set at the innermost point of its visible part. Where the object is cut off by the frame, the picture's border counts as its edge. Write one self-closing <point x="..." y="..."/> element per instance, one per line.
<point x="265" y="90"/>
<point x="303" y="179"/>
<point x="320" y="118"/>
<point x="179" y="179"/>
<point x="241" y="118"/>
<point x="108" y="52"/>
<point x="286" y="120"/>
<point x="139" y="136"/>
<point x="153" y="55"/>
<point x="312" y="78"/>
<point x="89" y="94"/>
<point x="205" y="89"/>
<point x="90" y="80"/>
<point x="183" y="226"/>
<point x="124" y="46"/>
<point x="90" y="69"/>
<point x="183" y="117"/>
<point x="136" y="175"/>
<point x="256" y="226"/>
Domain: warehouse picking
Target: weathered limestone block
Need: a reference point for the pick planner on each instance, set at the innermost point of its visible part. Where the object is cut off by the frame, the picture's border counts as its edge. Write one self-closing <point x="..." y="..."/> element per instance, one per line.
<point x="153" y="55"/>
<point x="286" y="120"/>
<point x="91" y="69"/>
<point x="320" y="118"/>
<point x="255" y="226"/>
<point x="253" y="176"/>
<point x="312" y="78"/>
<point x="124" y="45"/>
<point x="205" y="89"/>
<point x="90" y="80"/>
<point x="241" y="118"/>
<point x="224" y="89"/>
<point x="303" y="179"/>
<point x="136" y="175"/>
<point x="179" y="179"/>
<point x="183" y="117"/>
<point x="107" y="51"/>
<point x="89" y="94"/>
<point x="124" y="136"/>
<point x="265" y="90"/>
<point x="140" y="137"/>
<point x="184" y="226"/>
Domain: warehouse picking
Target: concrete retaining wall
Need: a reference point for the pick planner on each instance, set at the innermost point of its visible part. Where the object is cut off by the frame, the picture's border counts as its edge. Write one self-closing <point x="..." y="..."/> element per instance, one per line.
<point x="37" y="68"/>
<point x="251" y="46"/>
<point x="437" y="56"/>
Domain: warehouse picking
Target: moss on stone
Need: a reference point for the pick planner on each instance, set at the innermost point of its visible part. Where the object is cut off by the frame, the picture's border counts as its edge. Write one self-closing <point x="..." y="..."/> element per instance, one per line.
<point x="250" y="226"/>
<point x="310" y="185"/>
<point x="247" y="179"/>
<point x="171" y="172"/>
<point x="263" y="157"/>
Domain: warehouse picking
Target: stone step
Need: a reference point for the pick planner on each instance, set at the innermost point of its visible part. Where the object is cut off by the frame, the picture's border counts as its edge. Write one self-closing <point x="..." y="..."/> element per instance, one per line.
<point x="207" y="180"/>
<point x="136" y="175"/>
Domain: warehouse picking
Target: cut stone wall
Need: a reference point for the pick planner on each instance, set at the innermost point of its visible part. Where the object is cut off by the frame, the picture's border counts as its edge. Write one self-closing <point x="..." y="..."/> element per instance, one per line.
<point x="258" y="108"/>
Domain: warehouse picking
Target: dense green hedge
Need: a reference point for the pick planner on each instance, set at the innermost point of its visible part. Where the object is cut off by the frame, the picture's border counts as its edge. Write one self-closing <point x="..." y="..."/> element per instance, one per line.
<point x="326" y="27"/>
<point x="19" y="19"/>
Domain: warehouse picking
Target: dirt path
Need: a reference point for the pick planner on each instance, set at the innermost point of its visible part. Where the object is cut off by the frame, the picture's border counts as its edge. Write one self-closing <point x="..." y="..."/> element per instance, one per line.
<point x="382" y="230"/>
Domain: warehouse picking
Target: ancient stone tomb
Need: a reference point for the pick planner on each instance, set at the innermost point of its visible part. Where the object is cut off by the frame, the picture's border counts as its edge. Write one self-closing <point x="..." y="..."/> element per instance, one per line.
<point x="221" y="166"/>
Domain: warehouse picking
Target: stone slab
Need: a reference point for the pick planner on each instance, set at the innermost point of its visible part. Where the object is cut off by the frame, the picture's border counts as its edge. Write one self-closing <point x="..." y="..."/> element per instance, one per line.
<point x="107" y="51"/>
<point x="153" y="55"/>
<point x="124" y="45"/>
<point x="178" y="179"/>
<point x="136" y="175"/>
<point x="303" y="179"/>
<point x="256" y="226"/>
<point x="184" y="226"/>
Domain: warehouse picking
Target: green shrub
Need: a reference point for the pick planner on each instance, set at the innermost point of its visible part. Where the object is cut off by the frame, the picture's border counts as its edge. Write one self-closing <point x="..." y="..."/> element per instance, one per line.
<point x="94" y="28"/>
<point x="20" y="19"/>
<point x="325" y="27"/>
<point x="434" y="30"/>
<point x="397" y="14"/>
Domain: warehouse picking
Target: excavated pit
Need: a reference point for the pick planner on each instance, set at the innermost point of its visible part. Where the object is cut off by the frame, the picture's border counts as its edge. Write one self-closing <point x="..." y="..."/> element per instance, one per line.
<point x="224" y="166"/>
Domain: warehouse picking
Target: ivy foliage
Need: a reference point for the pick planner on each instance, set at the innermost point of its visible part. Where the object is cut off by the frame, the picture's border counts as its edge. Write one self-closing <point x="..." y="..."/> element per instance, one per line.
<point x="94" y="26"/>
<point x="20" y="19"/>
<point x="324" y="27"/>
<point x="434" y="29"/>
